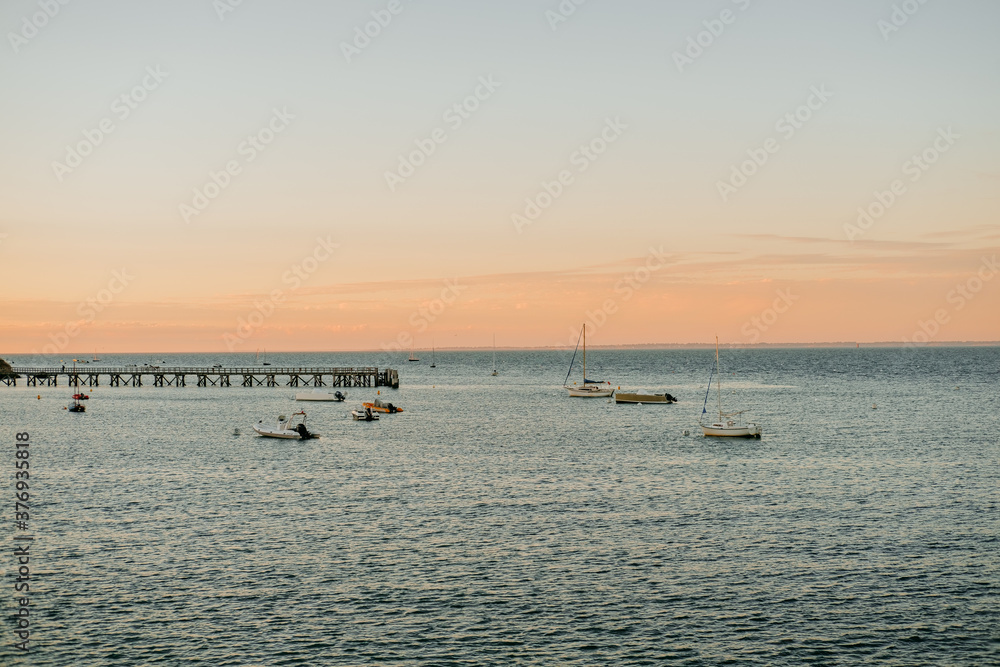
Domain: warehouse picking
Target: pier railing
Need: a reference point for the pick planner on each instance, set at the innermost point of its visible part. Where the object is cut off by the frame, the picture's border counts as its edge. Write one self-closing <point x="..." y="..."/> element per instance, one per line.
<point x="205" y="376"/>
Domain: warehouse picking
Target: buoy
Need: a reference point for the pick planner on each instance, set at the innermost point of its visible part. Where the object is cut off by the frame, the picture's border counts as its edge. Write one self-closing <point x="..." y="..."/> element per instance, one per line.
<point x="39" y="397"/>
<point x="378" y="393"/>
<point x="687" y="432"/>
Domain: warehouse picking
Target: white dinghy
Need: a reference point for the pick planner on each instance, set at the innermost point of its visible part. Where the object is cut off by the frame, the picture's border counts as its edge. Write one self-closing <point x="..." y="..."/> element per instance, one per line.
<point x="287" y="428"/>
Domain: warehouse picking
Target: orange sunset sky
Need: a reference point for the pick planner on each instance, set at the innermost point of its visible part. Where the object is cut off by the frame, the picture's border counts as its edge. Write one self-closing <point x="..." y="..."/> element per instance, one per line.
<point x="350" y="177"/>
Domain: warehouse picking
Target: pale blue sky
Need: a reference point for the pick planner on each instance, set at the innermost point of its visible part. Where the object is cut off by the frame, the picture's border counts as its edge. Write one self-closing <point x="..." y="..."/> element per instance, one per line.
<point x="657" y="185"/>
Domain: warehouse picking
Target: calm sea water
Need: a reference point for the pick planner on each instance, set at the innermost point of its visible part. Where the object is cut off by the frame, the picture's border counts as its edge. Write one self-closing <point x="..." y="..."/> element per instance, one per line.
<point x="498" y="521"/>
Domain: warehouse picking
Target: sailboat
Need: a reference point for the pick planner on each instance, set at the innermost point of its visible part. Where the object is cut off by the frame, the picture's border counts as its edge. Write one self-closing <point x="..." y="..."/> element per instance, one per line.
<point x="265" y="362"/>
<point x="412" y="358"/>
<point x="727" y="426"/>
<point x="433" y="362"/>
<point x="96" y="358"/>
<point x="590" y="388"/>
<point x="495" y="372"/>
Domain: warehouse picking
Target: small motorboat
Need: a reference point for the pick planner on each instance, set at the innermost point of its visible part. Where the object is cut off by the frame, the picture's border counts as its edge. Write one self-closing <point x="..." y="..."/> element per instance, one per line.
<point x="76" y="406"/>
<point x="637" y="397"/>
<point x="364" y="415"/>
<point x="288" y="428"/>
<point x="81" y="397"/>
<point x="321" y="395"/>
<point x="380" y="406"/>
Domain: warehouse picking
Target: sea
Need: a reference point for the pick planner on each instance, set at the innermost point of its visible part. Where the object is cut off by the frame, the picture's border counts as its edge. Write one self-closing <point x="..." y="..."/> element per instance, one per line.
<point x="498" y="521"/>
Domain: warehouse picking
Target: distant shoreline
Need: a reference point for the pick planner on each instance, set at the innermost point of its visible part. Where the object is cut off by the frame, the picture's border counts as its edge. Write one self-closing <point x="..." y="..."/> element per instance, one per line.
<point x="644" y="346"/>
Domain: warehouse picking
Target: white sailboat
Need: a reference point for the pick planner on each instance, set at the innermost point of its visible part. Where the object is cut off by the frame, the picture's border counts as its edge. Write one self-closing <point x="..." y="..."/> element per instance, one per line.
<point x="433" y="359"/>
<point x="495" y="372"/>
<point x="730" y="424"/>
<point x="412" y="358"/>
<point x="589" y="388"/>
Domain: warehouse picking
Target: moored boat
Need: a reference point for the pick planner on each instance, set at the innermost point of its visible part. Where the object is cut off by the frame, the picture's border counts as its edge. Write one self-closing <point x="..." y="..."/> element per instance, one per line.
<point x="379" y="406"/>
<point x="643" y="397"/>
<point x="287" y="428"/>
<point x="321" y="395"/>
<point x="589" y="388"/>
<point x="76" y="405"/>
<point x="364" y="415"/>
<point x="730" y="424"/>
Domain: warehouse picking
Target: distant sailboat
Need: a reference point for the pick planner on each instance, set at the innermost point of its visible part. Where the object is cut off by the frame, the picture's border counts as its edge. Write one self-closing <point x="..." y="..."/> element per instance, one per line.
<point x="412" y="358"/>
<point x="726" y="426"/>
<point x="590" y="388"/>
<point x="433" y="362"/>
<point x="495" y="355"/>
<point x="96" y="358"/>
<point x="265" y="358"/>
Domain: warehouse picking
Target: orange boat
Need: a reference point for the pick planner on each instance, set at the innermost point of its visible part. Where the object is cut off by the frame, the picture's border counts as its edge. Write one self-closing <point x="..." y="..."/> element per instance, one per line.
<point x="379" y="406"/>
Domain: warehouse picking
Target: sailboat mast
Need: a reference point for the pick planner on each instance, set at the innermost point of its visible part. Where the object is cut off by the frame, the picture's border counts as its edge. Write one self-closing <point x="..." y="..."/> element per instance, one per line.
<point x="718" y="376"/>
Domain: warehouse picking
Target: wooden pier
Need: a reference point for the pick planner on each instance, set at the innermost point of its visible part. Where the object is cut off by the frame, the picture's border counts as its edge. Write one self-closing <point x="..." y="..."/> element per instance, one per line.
<point x="176" y="376"/>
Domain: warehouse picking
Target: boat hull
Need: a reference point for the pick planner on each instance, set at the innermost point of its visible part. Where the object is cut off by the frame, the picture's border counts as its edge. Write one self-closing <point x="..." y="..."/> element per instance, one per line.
<point x="387" y="409"/>
<point x="284" y="435"/>
<point x="641" y="398"/>
<point x="734" y="431"/>
<point x="319" y="397"/>
<point x="589" y="393"/>
<point x="359" y="416"/>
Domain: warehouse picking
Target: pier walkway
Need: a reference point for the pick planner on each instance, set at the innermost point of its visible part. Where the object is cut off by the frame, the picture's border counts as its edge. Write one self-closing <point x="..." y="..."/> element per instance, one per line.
<point x="215" y="376"/>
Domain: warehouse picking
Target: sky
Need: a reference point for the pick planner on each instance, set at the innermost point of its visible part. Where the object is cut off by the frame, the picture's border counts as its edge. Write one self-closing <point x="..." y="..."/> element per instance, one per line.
<point x="215" y="175"/>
